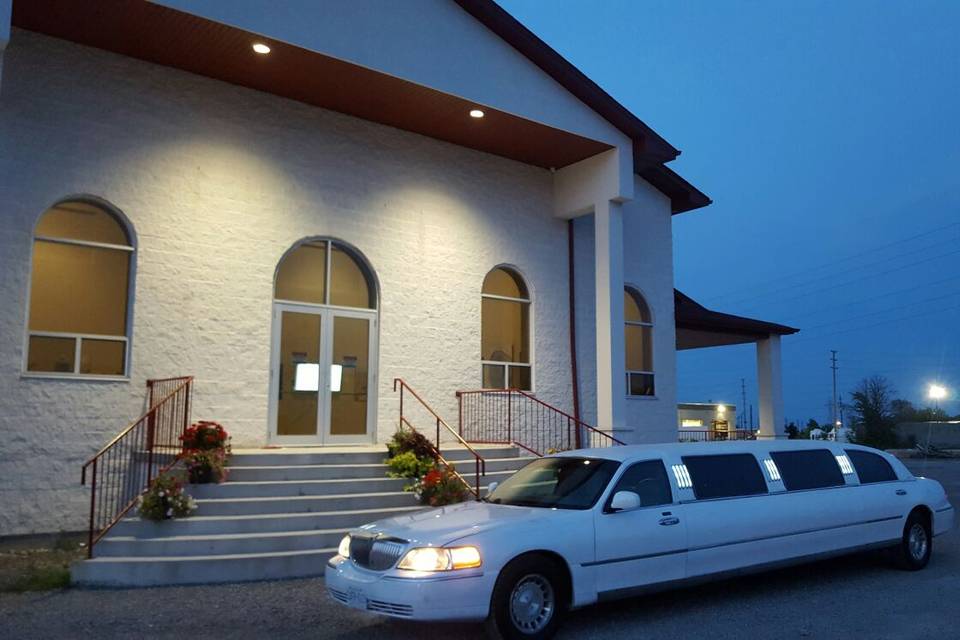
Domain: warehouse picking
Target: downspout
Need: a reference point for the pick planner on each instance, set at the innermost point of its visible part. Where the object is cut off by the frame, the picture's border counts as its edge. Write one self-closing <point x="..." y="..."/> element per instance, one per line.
<point x="573" y="324"/>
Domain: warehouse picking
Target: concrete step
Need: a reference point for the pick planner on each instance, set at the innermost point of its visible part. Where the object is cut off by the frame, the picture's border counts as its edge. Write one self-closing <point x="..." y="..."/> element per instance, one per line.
<point x="219" y="544"/>
<point x="307" y="472"/>
<point x="301" y="504"/>
<point x="178" y="570"/>
<point x="497" y="464"/>
<point x="260" y="523"/>
<point x="277" y="488"/>
<point x="319" y="456"/>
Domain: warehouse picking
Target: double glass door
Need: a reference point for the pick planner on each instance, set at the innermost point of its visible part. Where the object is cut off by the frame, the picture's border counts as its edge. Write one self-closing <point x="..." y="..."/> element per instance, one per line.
<point x="320" y="375"/>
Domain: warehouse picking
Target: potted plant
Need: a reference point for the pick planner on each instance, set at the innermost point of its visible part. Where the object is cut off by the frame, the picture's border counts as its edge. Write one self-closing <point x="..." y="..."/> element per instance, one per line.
<point x="440" y="486"/>
<point x="165" y="499"/>
<point x="206" y="446"/>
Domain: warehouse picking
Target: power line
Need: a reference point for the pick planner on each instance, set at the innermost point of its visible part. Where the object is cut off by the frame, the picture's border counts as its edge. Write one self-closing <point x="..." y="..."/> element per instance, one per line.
<point x="807" y="270"/>
<point x="861" y="278"/>
<point x="877" y="324"/>
<point x="887" y="310"/>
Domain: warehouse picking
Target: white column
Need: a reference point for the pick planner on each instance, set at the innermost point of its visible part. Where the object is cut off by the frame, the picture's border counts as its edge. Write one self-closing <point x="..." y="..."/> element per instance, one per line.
<point x="608" y="252"/>
<point x="770" y="385"/>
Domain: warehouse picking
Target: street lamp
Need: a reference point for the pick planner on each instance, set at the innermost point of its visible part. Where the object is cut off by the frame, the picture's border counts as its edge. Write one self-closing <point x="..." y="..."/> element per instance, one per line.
<point x="937" y="393"/>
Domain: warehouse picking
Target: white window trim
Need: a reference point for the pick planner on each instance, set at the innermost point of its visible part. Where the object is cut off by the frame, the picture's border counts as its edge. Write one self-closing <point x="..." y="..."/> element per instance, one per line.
<point x="530" y="330"/>
<point x="632" y="290"/>
<point x="121" y="220"/>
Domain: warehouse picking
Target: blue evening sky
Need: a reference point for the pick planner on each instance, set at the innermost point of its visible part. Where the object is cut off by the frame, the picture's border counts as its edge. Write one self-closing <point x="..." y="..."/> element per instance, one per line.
<point x="826" y="133"/>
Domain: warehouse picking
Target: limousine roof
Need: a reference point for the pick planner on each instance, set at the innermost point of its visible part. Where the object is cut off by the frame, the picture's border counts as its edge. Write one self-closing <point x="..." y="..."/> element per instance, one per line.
<point x="673" y="449"/>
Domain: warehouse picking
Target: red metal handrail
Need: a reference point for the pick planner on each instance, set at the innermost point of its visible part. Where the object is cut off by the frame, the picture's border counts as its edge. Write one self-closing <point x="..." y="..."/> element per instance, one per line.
<point x="514" y="416"/>
<point x="123" y="469"/>
<point x="713" y="435"/>
<point x="480" y="465"/>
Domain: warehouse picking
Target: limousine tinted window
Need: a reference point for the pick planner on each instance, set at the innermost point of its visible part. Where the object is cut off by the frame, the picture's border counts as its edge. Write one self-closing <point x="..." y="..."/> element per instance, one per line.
<point x="647" y="479"/>
<point x="725" y="476"/>
<point x="808" y="469"/>
<point x="870" y="467"/>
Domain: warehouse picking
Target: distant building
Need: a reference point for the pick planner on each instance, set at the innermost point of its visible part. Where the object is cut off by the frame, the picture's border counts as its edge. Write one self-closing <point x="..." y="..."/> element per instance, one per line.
<point x="944" y="435"/>
<point x="718" y="418"/>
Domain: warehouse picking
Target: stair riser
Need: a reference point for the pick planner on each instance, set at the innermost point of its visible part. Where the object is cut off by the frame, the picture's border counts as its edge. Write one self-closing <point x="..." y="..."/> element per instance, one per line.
<point x="240" y="490"/>
<point x="253" y="474"/>
<point x="199" y="571"/>
<point x="218" y="546"/>
<point x="498" y="465"/>
<point x="304" y="505"/>
<point x="291" y="459"/>
<point x="201" y="526"/>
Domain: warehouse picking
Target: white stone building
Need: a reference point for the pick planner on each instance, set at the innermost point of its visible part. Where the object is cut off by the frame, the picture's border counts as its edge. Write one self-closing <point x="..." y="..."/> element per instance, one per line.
<point x="298" y="228"/>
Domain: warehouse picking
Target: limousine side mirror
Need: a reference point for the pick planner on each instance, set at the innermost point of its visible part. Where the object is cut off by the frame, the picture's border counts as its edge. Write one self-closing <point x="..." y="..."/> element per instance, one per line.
<point x="625" y="501"/>
<point x="492" y="487"/>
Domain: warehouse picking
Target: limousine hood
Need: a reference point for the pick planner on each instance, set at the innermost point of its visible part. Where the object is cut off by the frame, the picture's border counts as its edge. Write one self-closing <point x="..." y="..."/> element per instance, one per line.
<point x="443" y="525"/>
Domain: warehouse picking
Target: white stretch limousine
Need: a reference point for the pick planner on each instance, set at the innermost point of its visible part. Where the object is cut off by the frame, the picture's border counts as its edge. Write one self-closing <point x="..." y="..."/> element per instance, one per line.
<point x="581" y="526"/>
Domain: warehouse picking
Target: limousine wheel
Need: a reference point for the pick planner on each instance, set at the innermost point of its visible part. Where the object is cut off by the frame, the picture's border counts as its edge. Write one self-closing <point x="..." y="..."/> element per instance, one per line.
<point x="528" y="599"/>
<point x="917" y="543"/>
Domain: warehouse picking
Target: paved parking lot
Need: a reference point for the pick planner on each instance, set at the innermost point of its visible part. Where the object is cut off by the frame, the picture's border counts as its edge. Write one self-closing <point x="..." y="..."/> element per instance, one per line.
<point x="849" y="598"/>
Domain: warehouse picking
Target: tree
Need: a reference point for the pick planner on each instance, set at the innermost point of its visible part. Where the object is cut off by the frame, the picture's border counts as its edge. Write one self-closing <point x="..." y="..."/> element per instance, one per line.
<point x="874" y="422"/>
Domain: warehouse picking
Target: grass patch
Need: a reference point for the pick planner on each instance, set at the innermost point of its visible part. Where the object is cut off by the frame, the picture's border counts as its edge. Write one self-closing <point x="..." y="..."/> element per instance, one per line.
<point x="41" y="579"/>
<point x="40" y="566"/>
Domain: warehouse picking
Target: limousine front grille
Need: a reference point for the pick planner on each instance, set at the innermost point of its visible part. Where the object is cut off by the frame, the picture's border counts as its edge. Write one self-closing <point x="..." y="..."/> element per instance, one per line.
<point x="390" y="608"/>
<point x="375" y="553"/>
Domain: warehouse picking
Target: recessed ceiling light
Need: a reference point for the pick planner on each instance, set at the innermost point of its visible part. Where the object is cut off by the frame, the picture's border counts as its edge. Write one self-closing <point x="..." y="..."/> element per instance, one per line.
<point x="259" y="47"/>
<point x="476" y="113"/>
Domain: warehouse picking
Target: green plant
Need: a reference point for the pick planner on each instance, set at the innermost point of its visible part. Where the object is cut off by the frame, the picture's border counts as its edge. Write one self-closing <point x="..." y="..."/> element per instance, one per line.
<point x="205" y="466"/>
<point x="408" y="465"/>
<point x="166" y="499"/>
<point x="405" y="440"/>
<point x="441" y="486"/>
<point x="205" y="435"/>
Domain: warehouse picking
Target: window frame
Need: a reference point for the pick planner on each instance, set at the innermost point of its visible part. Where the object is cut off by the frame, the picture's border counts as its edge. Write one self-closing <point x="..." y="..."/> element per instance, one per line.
<point x="790" y="453"/>
<point x="684" y="460"/>
<point x="627" y="466"/>
<point x="124" y="223"/>
<point x="373" y="288"/>
<point x="507" y="366"/>
<point x="851" y="455"/>
<point x="635" y="292"/>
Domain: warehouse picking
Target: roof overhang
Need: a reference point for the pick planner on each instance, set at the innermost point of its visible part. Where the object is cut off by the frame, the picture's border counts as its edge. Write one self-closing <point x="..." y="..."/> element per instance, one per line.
<point x="169" y="37"/>
<point x="699" y="327"/>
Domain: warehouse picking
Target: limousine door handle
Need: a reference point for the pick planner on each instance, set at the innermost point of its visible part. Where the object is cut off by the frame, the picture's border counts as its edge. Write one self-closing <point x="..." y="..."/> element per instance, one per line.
<point x="666" y="522"/>
<point x="901" y="492"/>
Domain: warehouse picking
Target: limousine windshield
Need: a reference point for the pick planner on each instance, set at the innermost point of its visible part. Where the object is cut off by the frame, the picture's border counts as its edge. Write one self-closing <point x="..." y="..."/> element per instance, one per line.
<point x="561" y="483"/>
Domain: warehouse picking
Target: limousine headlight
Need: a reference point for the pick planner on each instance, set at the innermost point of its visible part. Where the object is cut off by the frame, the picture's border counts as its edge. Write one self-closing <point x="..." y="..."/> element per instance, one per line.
<point x="344" y="549"/>
<point x="440" y="559"/>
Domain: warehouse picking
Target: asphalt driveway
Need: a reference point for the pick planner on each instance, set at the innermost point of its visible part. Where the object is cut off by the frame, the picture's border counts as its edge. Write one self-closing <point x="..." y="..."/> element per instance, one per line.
<point x="854" y="597"/>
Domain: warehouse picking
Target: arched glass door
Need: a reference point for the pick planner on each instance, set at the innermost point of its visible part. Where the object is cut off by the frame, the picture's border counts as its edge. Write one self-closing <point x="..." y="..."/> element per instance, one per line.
<point x="323" y="373"/>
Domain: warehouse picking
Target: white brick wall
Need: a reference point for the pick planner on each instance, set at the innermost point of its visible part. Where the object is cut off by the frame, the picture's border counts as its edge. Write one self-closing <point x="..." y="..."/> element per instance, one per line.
<point x="218" y="182"/>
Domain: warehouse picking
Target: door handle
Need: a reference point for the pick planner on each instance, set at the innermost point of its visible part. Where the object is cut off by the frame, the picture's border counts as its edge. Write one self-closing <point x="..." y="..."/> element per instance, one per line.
<point x="901" y="492"/>
<point x="666" y="522"/>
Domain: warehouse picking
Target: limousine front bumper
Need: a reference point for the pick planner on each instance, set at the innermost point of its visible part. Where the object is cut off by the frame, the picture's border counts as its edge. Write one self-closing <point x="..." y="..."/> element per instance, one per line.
<point x="454" y="595"/>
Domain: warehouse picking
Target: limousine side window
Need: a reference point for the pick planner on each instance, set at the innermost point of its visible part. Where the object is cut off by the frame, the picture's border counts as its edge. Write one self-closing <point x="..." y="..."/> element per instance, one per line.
<point x="871" y="467"/>
<point x="725" y="476"/>
<point x="647" y="479"/>
<point x="814" y="469"/>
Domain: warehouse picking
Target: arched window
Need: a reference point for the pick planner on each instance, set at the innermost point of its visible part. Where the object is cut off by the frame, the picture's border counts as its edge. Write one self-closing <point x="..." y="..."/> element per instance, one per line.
<point x="505" y="331"/>
<point x="325" y="272"/>
<point x="638" y="343"/>
<point x="80" y="288"/>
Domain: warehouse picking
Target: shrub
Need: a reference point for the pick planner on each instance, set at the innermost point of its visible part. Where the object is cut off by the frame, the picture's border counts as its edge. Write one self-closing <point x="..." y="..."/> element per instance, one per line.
<point x="207" y="466"/>
<point x="166" y="499"/>
<point x="440" y="486"/>
<point x="405" y="440"/>
<point x="408" y="465"/>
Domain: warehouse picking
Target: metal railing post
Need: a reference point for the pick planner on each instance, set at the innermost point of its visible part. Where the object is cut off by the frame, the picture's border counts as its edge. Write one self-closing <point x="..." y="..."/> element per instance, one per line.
<point x="93" y="502"/>
<point x="510" y="415"/>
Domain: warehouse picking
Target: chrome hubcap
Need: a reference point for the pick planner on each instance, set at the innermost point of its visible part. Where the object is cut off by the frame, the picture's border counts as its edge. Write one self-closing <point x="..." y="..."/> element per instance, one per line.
<point x="917" y="541"/>
<point x="532" y="603"/>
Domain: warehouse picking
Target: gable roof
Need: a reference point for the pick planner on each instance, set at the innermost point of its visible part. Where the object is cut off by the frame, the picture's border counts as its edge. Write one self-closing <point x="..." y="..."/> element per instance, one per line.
<point x="650" y="150"/>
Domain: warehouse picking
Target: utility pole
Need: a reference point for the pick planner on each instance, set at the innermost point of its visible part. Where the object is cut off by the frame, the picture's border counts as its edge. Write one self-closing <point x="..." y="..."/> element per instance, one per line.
<point x="743" y="404"/>
<point x="834" y="410"/>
